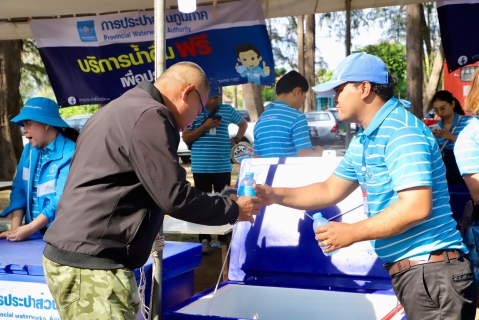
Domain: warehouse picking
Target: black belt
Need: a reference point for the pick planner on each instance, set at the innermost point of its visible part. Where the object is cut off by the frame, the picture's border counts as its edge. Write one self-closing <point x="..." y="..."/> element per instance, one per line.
<point x="436" y="256"/>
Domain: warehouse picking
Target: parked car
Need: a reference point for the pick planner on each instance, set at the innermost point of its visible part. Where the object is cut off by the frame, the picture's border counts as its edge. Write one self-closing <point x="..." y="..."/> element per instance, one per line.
<point x="78" y="122"/>
<point x="325" y="127"/>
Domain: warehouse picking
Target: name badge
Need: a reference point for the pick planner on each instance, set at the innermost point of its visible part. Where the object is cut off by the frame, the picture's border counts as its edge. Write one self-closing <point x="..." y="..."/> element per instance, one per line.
<point x="213" y="131"/>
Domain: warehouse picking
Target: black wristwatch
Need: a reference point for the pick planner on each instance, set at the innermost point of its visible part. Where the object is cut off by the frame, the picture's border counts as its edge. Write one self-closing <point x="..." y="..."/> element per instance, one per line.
<point x="237" y="140"/>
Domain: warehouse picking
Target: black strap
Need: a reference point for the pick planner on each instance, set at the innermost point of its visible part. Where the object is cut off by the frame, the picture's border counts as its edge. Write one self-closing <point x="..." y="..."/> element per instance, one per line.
<point x="215" y="110"/>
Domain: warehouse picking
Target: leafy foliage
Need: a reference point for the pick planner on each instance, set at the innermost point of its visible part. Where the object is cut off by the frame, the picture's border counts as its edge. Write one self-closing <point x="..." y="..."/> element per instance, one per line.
<point x="34" y="79"/>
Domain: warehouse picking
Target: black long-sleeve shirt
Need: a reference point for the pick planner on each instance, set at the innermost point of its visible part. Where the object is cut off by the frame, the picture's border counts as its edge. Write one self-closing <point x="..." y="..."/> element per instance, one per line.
<point x="125" y="175"/>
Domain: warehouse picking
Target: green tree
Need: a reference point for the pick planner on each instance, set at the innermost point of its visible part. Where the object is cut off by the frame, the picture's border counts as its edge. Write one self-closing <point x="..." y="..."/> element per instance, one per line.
<point x="394" y="55"/>
<point x="34" y="76"/>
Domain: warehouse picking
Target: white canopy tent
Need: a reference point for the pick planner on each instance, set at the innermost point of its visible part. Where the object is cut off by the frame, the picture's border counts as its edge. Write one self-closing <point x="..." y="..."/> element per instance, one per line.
<point x="14" y="14"/>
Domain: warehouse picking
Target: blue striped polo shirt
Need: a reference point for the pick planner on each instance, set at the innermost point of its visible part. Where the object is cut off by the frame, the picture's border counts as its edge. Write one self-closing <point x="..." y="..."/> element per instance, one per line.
<point x="211" y="153"/>
<point x="44" y="156"/>
<point x="466" y="148"/>
<point x="461" y="124"/>
<point x="281" y="131"/>
<point x="401" y="154"/>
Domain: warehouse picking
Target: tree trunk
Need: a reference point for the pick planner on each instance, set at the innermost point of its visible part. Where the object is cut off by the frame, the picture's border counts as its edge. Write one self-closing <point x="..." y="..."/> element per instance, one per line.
<point x="10" y="104"/>
<point x="434" y="78"/>
<point x="301" y="44"/>
<point x="414" y="53"/>
<point x="253" y="100"/>
<point x="310" y="101"/>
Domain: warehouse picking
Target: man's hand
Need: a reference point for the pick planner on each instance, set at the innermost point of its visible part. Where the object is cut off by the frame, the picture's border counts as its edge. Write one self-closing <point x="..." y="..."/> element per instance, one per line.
<point x="265" y="194"/>
<point x="210" y="123"/>
<point x="21" y="233"/>
<point x="337" y="235"/>
<point x="248" y="206"/>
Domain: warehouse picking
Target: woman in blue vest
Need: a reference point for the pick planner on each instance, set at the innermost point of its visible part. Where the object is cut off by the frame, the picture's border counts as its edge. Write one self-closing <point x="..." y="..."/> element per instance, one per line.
<point x="453" y="121"/>
<point x="42" y="170"/>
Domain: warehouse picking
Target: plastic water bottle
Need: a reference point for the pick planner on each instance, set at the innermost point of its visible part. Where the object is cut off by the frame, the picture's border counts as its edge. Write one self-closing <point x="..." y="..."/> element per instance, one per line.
<point x="246" y="186"/>
<point x="320" y="221"/>
<point x="475" y="263"/>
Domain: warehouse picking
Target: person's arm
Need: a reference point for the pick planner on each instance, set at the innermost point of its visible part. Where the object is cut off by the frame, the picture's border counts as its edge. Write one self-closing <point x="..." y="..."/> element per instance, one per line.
<point x="190" y="135"/>
<point x="408" y="211"/>
<point x="242" y="126"/>
<point x="411" y="176"/>
<point x="17" y="196"/>
<point x="313" y="196"/>
<point x="17" y="217"/>
<point x="472" y="182"/>
<point x="154" y="160"/>
<point x="24" y="232"/>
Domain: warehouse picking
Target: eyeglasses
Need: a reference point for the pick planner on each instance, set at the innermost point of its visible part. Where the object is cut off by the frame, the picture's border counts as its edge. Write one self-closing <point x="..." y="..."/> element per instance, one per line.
<point x="202" y="105"/>
<point x="442" y="108"/>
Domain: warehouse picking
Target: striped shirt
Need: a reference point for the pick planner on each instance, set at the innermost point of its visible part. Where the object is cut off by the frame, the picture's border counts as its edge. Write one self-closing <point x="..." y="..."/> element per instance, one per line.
<point x="211" y="153"/>
<point x="466" y="148"/>
<point x="461" y="124"/>
<point x="44" y="157"/>
<point x="401" y="154"/>
<point x="281" y="131"/>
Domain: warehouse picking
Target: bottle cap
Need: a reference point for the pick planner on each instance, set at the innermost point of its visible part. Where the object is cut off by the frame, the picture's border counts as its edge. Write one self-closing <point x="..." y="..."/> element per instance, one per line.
<point x="249" y="174"/>
<point x="317" y="216"/>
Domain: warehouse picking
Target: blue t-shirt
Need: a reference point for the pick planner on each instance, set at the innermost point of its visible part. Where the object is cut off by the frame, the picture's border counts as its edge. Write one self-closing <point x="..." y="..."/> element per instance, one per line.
<point x="459" y="124"/>
<point x="401" y="154"/>
<point x="210" y="153"/>
<point x="281" y="131"/>
<point x="466" y="148"/>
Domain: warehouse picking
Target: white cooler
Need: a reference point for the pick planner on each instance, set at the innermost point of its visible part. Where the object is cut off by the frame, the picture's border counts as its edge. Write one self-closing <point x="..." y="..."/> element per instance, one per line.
<point x="277" y="271"/>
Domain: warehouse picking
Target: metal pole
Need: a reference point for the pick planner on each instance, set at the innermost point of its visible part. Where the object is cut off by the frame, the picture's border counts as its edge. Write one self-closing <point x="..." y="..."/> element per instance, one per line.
<point x="348" y="52"/>
<point x="160" y="66"/>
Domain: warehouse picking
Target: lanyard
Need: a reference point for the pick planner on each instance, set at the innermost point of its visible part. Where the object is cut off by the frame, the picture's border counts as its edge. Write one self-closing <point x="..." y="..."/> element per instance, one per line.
<point x="363" y="171"/>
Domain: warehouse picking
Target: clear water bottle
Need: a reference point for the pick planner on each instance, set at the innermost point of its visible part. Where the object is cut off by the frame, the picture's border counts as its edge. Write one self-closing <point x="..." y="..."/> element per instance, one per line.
<point x="475" y="263"/>
<point x="319" y="220"/>
<point x="246" y="186"/>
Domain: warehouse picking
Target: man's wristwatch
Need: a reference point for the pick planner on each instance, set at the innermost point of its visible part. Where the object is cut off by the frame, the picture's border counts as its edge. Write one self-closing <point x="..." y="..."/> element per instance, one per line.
<point x="237" y="140"/>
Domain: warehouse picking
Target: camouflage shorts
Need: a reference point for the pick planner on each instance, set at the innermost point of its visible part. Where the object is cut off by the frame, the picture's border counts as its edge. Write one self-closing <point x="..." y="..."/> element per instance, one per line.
<point x="92" y="294"/>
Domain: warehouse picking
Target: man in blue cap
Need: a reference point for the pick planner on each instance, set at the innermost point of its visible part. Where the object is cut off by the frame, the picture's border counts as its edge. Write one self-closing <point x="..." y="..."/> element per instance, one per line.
<point x="395" y="160"/>
<point x="211" y="146"/>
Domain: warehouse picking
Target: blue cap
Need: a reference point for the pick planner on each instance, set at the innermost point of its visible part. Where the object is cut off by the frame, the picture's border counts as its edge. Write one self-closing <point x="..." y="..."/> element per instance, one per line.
<point x="41" y="110"/>
<point x="215" y="89"/>
<point x="249" y="174"/>
<point x="317" y="216"/>
<point x="357" y="67"/>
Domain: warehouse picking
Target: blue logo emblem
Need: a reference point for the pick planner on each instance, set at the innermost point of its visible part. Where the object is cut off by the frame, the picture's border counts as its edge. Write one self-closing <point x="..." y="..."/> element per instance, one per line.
<point x="86" y="31"/>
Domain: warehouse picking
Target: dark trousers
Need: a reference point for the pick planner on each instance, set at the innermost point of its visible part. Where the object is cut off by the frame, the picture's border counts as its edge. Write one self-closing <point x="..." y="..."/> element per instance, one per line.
<point x="207" y="182"/>
<point x="441" y="291"/>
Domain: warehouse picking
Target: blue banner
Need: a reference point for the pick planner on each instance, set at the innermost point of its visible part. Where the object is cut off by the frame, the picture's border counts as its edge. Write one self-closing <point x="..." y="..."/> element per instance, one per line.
<point x="458" y="21"/>
<point x="95" y="60"/>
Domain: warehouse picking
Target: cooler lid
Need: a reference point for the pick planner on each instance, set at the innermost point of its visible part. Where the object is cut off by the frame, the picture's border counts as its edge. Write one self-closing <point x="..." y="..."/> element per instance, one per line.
<point x="25" y="257"/>
<point x="280" y="249"/>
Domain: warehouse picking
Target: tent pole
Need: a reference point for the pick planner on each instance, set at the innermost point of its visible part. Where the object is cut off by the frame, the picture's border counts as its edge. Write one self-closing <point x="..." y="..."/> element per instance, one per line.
<point x="160" y="66"/>
<point x="348" y="52"/>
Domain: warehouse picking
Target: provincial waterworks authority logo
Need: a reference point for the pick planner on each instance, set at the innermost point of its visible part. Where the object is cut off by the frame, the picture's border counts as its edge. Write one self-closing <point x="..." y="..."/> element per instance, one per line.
<point x="86" y="31"/>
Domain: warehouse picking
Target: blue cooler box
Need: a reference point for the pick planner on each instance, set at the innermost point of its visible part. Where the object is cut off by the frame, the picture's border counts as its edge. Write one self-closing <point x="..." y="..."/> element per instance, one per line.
<point x="277" y="271"/>
<point x="23" y="291"/>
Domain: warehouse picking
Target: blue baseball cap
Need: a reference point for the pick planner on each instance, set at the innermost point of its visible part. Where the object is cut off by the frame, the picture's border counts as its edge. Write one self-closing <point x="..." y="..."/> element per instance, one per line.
<point x="357" y="67"/>
<point x="215" y="89"/>
<point x="41" y="110"/>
